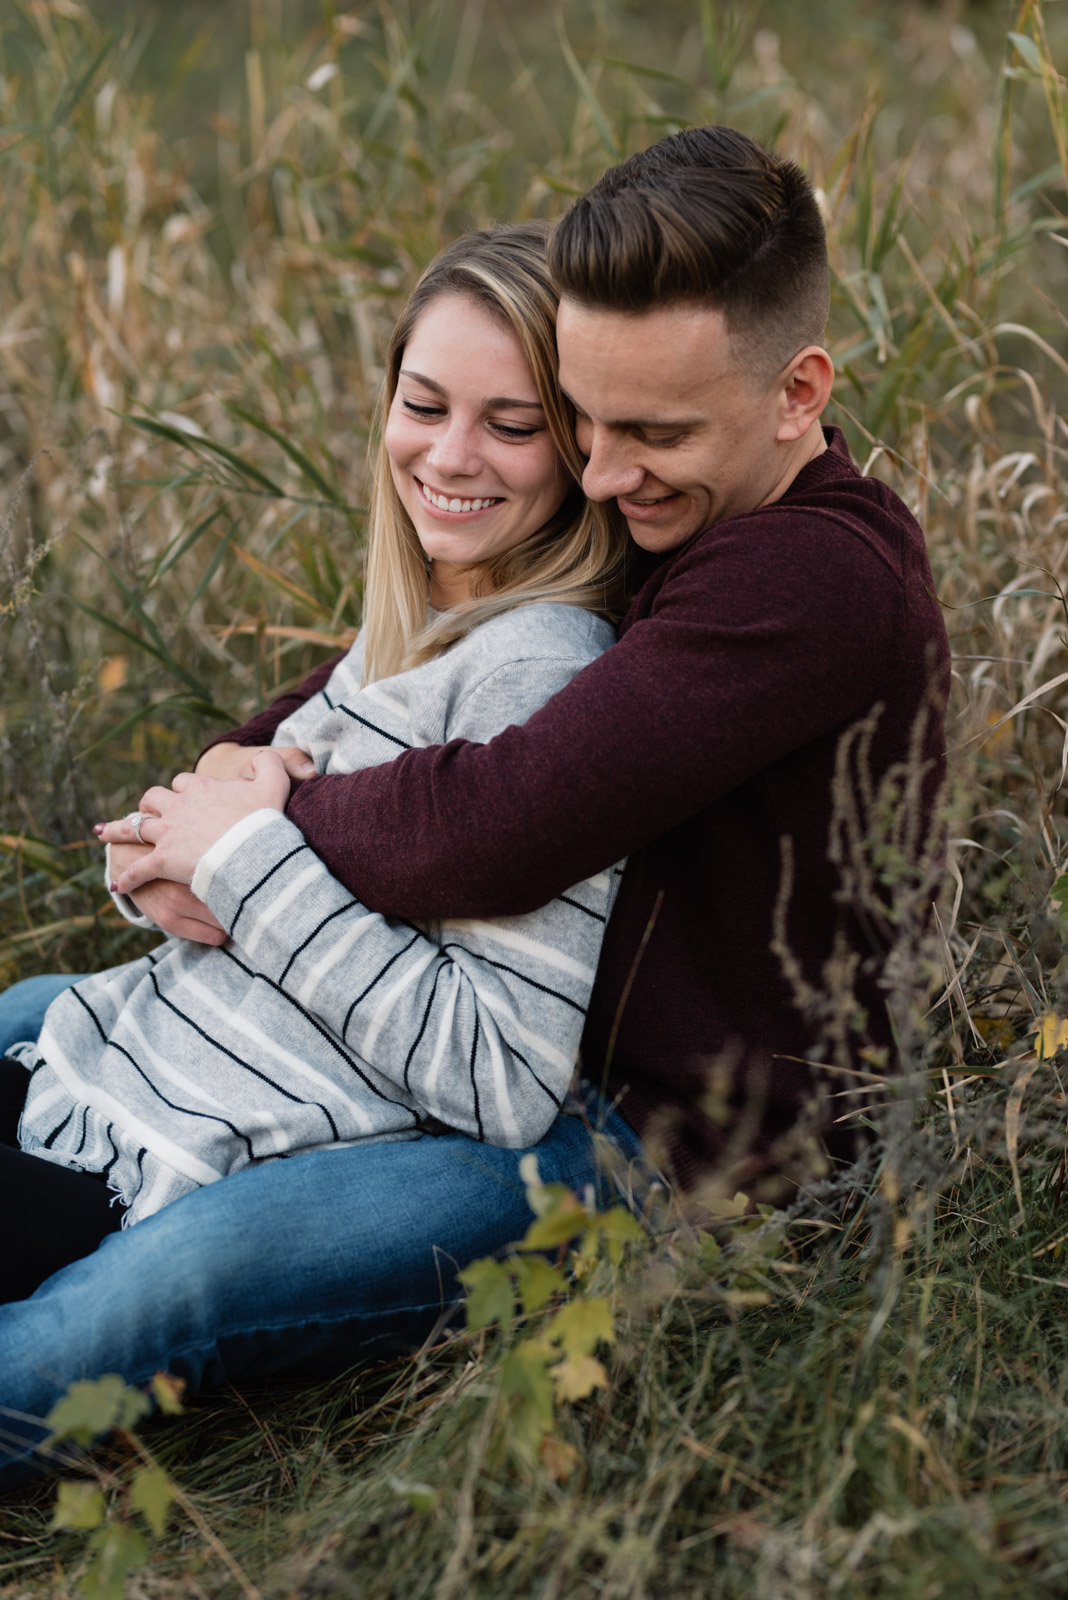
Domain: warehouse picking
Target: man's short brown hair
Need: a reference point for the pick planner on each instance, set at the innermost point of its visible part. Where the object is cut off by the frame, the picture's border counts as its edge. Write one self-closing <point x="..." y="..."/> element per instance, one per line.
<point x="708" y="217"/>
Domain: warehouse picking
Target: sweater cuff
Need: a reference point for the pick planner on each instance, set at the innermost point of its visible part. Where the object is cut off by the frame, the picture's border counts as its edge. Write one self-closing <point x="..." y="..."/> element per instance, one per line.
<point x="213" y="862"/>
<point x="122" y="902"/>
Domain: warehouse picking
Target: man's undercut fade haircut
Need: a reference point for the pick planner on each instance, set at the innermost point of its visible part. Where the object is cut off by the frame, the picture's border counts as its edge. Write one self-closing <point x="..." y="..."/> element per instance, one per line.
<point x="704" y="217"/>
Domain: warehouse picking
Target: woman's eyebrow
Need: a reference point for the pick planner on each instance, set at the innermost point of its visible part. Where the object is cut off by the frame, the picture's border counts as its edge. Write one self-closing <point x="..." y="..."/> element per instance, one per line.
<point x="494" y="400"/>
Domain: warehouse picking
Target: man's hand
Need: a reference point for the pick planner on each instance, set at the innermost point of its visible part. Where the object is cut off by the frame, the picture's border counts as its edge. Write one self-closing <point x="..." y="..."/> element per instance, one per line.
<point x="183" y="822"/>
<point x="235" y="761"/>
<point x="172" y="906"/>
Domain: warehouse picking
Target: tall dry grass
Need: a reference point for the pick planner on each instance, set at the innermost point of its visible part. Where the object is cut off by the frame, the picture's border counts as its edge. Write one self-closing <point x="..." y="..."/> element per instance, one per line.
<point x="198" y="264"/>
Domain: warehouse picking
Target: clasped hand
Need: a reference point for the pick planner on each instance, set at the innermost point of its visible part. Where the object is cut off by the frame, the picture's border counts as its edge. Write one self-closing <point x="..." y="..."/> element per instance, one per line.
<point x="180" y="824"/>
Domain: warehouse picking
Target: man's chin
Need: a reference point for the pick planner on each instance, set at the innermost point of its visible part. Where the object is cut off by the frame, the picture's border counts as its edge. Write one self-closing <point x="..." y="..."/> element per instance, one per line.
<point x="658" y="536"/>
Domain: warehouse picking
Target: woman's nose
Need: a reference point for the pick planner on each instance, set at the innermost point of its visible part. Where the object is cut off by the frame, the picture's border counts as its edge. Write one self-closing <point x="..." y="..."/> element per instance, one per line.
<point x="454" y="451"/>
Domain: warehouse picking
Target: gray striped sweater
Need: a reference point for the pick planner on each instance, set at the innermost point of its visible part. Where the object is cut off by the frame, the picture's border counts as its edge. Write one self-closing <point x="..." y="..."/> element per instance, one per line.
<point x="319" y="1022"/>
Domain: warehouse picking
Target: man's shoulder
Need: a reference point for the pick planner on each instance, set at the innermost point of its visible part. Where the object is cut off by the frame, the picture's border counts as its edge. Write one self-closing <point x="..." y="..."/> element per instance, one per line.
<point x="832" y="519"/>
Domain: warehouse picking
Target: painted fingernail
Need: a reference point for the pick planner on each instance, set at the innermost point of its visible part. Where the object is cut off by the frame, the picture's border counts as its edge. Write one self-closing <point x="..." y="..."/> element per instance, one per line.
<point x="98" y="828"/>
<point x="114" y="888"/>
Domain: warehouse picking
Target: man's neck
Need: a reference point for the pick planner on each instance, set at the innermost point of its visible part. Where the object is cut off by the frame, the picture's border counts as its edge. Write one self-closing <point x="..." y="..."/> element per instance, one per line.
<point x="813" y="443"/>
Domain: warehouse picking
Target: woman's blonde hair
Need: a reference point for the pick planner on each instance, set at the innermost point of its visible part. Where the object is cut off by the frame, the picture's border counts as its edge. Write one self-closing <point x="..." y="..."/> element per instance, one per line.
<point x="576" y="558"/>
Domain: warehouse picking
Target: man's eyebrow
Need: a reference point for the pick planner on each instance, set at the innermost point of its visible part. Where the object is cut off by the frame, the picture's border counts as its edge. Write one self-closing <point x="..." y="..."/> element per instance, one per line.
<point x="493" y="402"/>
<point x="628" y="424"/>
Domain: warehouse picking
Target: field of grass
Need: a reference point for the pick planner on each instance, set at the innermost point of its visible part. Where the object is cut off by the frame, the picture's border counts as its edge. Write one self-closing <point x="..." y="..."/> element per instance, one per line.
<point x="210" y="214"/>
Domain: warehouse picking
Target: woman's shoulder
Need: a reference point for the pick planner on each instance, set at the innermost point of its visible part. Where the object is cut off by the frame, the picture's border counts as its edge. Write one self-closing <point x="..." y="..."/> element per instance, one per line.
<point x="532" y="632"/>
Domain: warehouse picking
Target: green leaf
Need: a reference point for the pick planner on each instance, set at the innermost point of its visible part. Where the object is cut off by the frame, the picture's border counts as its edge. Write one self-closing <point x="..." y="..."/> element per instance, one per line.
<point x="163" y="655"/>
<point x="151" y="1493"/>
<point x="619" y="1227"/>
<point x="39" y="855"/>
<point x="1028" y="49"/>
<point x="585" y="89"/>
<point x="537" y="1282"/>
<point x="490" y="1297"/>
<point x="92" y="1407"/>
<point x="304" y="463"/>
<point x="581" y="1325"/>
<point x="199" y="442"/>
<point x="420" y="1496"/>
<point x="1058" y="899"/>
<point x="559" y="1221"/>
<point x="78" y="1505"/>
<point x="116" y="1551"/>
<point x="527" y="1389"/>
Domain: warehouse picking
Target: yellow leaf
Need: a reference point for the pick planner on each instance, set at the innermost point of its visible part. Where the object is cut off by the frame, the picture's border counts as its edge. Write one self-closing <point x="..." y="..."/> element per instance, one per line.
<point x="996" y="1032"/>
<point x="167" y="1391"/>
<point x="113" y="673"/>
<point x="1001" y="735"/>
<point x="1052" y="1033"/>
<point x="576" y="1379"/>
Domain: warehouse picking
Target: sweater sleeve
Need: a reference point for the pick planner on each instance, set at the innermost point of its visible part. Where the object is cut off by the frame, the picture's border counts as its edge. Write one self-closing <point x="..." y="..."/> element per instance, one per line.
<point x="260" y="728"/>
<point x="478" y="1021"/>
<point x="760" y="640"/>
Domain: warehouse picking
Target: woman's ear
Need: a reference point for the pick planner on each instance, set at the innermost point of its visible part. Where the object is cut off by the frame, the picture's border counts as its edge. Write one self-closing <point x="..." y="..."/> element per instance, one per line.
<point x="805" y="391"/>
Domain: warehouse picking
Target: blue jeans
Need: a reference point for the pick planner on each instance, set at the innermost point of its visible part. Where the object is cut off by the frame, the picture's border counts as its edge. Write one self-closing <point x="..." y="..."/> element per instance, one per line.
<point x="304" y="1265"/>
<point x="22" y="1007"/>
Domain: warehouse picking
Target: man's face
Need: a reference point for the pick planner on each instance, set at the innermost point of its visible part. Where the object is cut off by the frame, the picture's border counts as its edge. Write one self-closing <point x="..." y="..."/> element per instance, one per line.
<point x="675" y="431"/>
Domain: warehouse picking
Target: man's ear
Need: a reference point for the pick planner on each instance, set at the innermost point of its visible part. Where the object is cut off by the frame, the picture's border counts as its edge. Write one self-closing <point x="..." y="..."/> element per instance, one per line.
<point x="805" y="390"/>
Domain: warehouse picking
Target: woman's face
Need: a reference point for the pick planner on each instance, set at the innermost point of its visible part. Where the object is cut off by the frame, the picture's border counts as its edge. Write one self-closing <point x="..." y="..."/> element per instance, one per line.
<point x="468" y="443"/>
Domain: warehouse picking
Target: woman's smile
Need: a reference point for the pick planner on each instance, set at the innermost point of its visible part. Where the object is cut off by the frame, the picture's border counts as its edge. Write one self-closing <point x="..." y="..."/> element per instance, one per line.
<point x="451" y="505"/>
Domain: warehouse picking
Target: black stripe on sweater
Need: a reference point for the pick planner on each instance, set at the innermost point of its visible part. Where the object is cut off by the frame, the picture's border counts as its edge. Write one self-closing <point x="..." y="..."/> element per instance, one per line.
<point x="205" y="1116"/>
<point x="374" y="728"/>
<point x="376" y="979"/>
<point x="237" y="1060"/>
<point x="422" y="1027"/>
<point x="566" y="898"/>
<point x="256" y="887"/>
<point x="316" y="931"/>
<point x="474" y="1085"/>
<point x="502" y="966"/>
<point x="54" y="1135"/>
<point x="323" y="1032"/>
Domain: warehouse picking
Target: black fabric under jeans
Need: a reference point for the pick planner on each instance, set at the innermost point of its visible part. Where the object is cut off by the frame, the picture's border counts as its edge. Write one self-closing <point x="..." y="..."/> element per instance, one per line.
<point x="51" y="1215"/>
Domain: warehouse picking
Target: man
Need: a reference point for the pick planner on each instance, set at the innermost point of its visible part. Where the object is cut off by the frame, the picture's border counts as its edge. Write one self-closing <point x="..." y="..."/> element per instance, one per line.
<point x="777" y="684"/>
<point x="790" y="600"/>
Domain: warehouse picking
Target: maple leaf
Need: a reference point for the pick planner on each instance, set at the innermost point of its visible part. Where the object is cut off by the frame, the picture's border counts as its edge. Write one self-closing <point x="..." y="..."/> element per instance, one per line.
<point x="537" y="1282"/>
<point x="151" y="1493"/>
<point x="582" y="1324"/>
<point x="78" y="1505"/>
<point x="92" y="1407"/>
<point x="528" y="1388"/>
<point x="490" y="1297"/>
<point x="576" y="1379"/>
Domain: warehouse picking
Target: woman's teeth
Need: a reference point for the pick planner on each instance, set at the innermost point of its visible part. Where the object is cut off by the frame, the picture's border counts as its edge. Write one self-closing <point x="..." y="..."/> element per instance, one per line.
<point x="443" y="502"/>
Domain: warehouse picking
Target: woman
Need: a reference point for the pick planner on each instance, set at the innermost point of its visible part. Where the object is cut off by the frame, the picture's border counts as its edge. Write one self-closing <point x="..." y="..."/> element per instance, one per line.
<point x="321" y="1025"/>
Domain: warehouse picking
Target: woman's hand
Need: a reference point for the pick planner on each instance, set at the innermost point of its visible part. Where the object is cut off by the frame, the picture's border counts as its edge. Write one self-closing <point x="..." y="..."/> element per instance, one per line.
<point x="183" y="822"/>
<point x="173" y="907"/>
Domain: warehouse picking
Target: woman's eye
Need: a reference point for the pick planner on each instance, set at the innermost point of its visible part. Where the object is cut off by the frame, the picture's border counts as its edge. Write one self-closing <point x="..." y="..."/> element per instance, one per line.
<point x="423" y="411"/>
<point x="508" y="430"/>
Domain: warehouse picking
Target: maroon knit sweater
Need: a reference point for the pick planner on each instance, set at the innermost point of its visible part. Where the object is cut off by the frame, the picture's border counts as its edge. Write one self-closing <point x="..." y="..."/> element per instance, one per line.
<point x="694" y="747"/>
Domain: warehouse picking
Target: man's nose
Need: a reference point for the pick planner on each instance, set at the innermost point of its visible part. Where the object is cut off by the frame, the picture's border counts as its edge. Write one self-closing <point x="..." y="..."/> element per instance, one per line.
<point x="453" y="451"/>
<point x="610" y="469"/>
